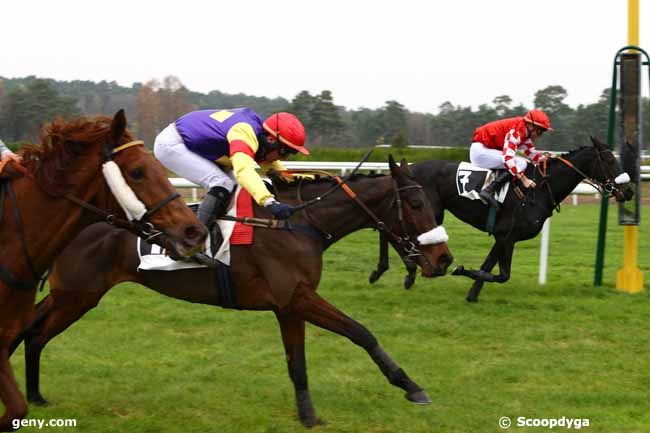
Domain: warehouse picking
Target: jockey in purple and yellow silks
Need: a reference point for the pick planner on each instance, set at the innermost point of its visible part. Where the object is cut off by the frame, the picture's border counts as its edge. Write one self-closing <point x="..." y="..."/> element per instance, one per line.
<point x="219" y="148"/>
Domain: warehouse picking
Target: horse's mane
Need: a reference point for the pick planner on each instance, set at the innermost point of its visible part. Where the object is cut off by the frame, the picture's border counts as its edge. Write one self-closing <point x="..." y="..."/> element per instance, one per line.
<point x="61" y="141"/>
<point x="282" y="185"/>
<point x="574" y="151"/>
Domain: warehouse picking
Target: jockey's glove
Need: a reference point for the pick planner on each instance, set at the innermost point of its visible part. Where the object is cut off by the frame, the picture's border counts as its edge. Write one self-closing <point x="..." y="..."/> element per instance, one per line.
<point x="281" y="210"/>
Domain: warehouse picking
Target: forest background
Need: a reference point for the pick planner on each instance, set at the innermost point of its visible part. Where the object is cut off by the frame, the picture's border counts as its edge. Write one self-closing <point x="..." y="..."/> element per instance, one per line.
<point x="25" y="103"/>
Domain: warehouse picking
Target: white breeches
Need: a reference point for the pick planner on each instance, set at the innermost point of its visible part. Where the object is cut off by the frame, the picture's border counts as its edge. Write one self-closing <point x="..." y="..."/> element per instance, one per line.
<point x="171" y="151"/>
<point x="492" y="158"/>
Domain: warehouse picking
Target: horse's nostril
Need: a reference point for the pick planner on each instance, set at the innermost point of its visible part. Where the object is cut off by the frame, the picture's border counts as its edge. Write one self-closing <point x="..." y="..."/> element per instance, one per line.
<point x="192" y="232"/>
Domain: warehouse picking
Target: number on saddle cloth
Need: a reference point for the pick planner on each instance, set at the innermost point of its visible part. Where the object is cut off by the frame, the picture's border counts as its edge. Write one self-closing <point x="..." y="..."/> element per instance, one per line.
<point x="471" y="179"/>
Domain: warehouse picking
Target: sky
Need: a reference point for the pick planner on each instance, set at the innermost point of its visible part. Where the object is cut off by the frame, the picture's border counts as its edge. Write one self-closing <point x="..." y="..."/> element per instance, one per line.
<point x="420" y="53"/>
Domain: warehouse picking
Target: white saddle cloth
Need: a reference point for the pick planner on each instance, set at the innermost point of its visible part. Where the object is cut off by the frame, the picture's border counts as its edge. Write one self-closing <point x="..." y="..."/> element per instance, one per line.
<point x="158" y="260"/>
<point x="471" y="179"/>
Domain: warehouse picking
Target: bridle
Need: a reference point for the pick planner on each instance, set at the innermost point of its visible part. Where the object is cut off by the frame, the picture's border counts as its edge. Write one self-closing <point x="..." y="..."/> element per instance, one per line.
<point x="608" y="188"/>
<point x="403" y="243"/>
<point x="137" y="224"/>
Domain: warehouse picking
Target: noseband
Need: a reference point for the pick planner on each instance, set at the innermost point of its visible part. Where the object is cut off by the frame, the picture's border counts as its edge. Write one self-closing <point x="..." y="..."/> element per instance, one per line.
<point x="608" y="188"/>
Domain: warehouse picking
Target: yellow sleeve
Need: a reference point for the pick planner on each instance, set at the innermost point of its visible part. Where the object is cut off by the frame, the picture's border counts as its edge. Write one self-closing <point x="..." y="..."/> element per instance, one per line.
<point x="275" y="165"/>
<point x="242" y="138"/>
<point x="243" y="167"/>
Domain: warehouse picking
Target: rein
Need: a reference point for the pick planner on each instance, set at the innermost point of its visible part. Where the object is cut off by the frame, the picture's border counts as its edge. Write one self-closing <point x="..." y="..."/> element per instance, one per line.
<point x="606" y="189"/>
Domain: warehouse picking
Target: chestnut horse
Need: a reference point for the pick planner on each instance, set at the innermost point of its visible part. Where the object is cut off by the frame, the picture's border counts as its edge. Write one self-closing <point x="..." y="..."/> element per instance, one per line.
<point x="279" y="272"/>
<point x="59" y="191"/>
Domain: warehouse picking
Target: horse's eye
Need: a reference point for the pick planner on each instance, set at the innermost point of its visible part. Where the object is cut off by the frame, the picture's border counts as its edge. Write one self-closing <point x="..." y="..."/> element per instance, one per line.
<point x="416" y="203"/>
<point x="137" y="174"/>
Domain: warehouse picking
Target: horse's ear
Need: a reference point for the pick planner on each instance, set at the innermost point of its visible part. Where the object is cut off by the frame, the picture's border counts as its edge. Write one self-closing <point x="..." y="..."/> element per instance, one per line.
<point x="118" y="126"/>
<point x="391" y="162"/>
<point x="597" y="143"/>
<point x="404" y="165"/>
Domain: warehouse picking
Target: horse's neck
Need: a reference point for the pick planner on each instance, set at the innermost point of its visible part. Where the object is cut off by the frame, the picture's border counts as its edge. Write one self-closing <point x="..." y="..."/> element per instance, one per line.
<point x="563" y="179"/>
<point x="48" y="223"/>
<point x="339" y="215"/>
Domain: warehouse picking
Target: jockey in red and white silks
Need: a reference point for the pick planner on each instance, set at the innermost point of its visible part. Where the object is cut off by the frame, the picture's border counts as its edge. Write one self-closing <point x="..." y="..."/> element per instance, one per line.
<point x="495" y="144"/>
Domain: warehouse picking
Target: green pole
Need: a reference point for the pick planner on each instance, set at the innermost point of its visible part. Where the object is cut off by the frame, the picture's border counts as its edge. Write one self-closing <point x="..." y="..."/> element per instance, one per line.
<point x="602" y="227"/>
<point x="604" y="203"/>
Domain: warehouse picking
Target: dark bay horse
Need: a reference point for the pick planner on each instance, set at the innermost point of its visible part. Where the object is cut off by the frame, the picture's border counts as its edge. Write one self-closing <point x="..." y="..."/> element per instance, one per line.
<point x="517" y="219"/>
<point x="59" y="191"/>
<point x="279" y="272"/>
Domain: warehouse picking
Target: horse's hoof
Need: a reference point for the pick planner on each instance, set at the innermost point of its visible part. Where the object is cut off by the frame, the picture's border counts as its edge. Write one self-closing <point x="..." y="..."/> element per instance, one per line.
<point x="7" y="425"/>
<point x="408" y="282"/>
<point x="418" y="397"/>
<point x="374" y="277"/>
<point x="458" y="270"/>
<point x="38" y="400"/>
<point x="471" y="300"/>
<point x="312" y="422"/>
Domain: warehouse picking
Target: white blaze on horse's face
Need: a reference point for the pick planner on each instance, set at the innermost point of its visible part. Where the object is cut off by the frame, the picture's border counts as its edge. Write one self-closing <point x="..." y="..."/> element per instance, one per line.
<point x="434" y="237"/>
<point x="622" y="178"/>
<point x="132" y="206"/>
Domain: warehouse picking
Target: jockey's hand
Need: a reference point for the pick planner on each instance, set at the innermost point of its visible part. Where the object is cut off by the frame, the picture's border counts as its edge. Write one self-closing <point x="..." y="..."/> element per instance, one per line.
<point x="527" y="183"/>
<point x="281" y="210"/>
<point x="8" y="154"/>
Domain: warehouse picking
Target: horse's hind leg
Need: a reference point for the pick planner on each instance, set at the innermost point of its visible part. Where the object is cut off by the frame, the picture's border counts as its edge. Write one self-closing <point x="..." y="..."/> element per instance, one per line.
<point x="293" y="338"/>
<point x="307" y="304"/>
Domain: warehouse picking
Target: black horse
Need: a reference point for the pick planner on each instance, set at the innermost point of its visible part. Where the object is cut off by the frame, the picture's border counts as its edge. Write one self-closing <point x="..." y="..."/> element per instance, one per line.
<point x="518" y="218"/>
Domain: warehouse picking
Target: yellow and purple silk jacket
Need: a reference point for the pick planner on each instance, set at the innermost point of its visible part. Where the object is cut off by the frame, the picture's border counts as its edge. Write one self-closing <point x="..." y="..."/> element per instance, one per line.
<point x="230" y="138"/>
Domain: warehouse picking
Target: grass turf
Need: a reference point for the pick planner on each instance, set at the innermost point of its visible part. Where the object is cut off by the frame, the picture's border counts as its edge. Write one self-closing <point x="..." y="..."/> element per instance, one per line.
<point x="144" y="363"/>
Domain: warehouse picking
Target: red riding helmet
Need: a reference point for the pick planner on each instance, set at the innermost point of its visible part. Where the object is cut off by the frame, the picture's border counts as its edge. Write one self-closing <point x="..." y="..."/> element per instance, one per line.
<point x="288" y="129"/>
<point x="538" y="118"/>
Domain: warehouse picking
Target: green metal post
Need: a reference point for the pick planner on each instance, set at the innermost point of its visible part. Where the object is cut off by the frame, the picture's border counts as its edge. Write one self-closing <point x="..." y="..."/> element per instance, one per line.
<point x="602" y="227"/>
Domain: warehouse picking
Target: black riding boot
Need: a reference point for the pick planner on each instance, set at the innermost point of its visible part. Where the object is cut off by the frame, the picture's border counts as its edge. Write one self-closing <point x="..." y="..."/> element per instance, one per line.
<point x="212" y="207"/>
<point x="487" y="194"/>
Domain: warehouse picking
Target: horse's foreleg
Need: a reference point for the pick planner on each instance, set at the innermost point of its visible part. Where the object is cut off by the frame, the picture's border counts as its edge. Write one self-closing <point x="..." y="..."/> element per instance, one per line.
<point x="487" y="266"/>
<point x="382" y="265"/>
<point x="411" y="268"/>
<point x="501" y="253"/>
<point x="53" y="316"/>
<point x="15" y="405"/>
<point x="505" y="262"/>
<point x="307" y="304"/>
<point x="484" y="274"/>
<point x="293" y="338"/>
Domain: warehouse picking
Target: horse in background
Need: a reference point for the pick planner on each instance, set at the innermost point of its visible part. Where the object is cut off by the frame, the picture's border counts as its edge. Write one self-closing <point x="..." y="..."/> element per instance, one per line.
<point x="279" y="272"/>
<point x="517" y="219"/>
<point x="59" y="191"/>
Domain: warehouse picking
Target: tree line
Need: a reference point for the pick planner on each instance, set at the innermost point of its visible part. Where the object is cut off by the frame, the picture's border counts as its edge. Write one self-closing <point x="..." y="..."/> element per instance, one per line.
<point x="25" y="103"/>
